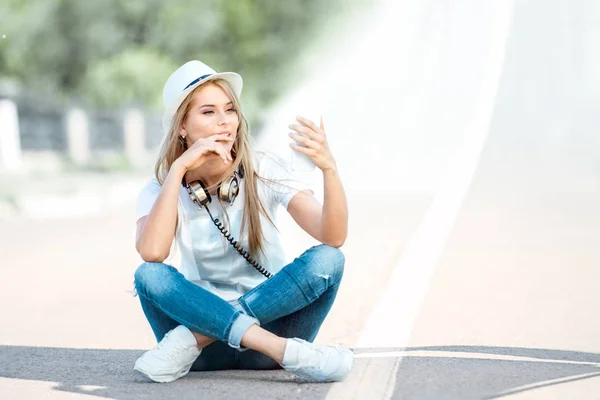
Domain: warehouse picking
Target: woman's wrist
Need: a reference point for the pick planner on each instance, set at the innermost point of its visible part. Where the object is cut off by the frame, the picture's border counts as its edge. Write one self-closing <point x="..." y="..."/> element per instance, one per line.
<point x="178" y="169"/>
<point x="331" y="169"/>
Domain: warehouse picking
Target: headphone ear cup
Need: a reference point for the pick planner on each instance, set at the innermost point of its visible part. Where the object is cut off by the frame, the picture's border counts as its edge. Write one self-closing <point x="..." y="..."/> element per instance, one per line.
<point x="198" y="193"/>
<point x="229" y="189"/>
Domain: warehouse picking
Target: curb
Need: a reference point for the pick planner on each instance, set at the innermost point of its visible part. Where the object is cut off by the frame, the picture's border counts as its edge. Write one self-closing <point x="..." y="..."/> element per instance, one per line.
<point x="95" y="196"/>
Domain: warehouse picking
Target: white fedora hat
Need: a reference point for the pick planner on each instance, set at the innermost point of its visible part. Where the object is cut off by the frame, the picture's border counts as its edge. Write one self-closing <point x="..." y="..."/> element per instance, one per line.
<point x="188" y="77"/>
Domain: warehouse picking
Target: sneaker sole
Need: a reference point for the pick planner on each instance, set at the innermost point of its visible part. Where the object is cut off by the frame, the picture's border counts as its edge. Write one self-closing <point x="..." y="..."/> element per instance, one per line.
<point x="338" y="376"/>
<point x="159" y="378"/>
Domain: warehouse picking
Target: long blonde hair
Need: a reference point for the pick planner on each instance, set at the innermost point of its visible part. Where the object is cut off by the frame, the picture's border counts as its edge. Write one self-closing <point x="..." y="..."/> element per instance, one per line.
<point x="241" y="153"/>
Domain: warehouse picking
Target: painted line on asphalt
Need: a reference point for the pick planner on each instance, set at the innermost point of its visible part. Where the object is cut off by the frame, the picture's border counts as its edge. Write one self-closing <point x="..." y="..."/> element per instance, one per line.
<point x="518" y="391"/>
<point x="467" y="355"/>
<point x="373" y="378"/>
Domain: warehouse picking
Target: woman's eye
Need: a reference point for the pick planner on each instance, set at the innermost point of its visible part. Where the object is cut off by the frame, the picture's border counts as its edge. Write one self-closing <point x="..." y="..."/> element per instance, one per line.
<point x="212" y="112"/>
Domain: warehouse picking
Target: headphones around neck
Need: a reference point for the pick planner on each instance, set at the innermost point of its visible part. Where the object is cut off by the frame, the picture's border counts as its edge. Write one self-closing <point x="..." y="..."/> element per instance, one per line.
<point x="227" y="190"/>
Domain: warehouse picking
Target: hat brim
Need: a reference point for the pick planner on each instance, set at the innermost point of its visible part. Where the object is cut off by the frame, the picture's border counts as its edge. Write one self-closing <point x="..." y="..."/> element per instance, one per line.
<point x="234" y="79"/>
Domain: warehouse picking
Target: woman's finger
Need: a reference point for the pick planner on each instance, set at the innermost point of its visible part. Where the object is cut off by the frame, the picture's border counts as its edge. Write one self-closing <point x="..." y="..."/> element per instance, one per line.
<point x="220" y="150"/>
<point x="308" y="132"/>
<point x="212" y="147"/>
<point x="224" y="137"/>
<point x="311" y="125"/>
<point x="305" y="141"/>
<point x="304" y="150"/>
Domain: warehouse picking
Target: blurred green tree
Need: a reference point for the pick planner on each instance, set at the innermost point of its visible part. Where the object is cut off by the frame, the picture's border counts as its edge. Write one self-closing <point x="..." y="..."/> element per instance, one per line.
<point x="109" y="53"/>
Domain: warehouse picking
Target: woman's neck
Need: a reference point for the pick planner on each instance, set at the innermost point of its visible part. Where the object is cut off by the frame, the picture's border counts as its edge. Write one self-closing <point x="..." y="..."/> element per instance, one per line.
<point x="209" y="173"/>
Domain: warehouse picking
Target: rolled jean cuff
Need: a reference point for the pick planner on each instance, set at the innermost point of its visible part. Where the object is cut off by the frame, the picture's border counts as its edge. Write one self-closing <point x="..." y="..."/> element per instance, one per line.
<point x="236" y="304"/>
<point x="238" y="328"/>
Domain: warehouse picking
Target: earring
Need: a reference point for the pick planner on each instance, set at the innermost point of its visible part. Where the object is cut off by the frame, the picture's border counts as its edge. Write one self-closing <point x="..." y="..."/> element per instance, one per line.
<point x="183" y="143"/>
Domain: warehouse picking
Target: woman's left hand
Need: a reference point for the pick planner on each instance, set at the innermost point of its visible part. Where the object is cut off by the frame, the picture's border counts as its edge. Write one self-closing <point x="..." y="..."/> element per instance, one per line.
<point x="316" y="148"/>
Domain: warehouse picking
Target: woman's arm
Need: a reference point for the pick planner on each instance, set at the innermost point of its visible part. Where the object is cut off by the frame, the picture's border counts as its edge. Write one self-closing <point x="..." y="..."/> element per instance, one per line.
<point x="334" y="222"/>
<point x="155" y="232"/>
<point x="328" y="223"/>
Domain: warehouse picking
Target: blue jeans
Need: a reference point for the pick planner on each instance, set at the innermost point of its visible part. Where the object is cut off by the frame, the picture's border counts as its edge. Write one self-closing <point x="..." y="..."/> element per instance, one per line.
<point x="293" y="303"/>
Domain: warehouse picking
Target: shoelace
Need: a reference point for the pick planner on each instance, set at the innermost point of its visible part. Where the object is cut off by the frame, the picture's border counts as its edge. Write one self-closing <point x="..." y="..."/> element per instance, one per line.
<point x="172" y="353"/>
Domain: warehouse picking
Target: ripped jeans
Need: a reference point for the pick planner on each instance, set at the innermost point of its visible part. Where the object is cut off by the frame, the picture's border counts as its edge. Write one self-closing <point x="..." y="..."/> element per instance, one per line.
<point x="293" y="303"/>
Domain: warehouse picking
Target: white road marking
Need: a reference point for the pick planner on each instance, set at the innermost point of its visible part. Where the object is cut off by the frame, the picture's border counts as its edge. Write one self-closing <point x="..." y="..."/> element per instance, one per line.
<point x="464" y="354"/>
<point x="518" y="392"/>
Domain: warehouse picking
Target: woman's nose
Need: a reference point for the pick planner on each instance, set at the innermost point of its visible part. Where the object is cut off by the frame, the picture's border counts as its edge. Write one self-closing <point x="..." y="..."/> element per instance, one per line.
<point x="222" y="118"/>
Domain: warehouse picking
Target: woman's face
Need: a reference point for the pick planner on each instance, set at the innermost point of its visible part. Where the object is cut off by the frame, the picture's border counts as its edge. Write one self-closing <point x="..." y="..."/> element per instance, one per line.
<point x="211" y="113"/>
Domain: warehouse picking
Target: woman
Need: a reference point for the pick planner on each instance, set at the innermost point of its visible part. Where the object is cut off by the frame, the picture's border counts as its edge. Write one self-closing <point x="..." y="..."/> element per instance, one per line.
<point x="219" y="311"/>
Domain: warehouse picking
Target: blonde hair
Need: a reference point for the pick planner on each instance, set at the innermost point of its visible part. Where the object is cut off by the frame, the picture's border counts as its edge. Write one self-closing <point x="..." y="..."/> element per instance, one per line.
<point x="241" y="153"/>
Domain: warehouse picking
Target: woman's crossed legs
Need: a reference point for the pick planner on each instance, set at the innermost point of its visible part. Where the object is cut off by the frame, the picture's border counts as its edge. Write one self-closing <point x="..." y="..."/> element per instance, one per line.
<point x="293" y="303"/>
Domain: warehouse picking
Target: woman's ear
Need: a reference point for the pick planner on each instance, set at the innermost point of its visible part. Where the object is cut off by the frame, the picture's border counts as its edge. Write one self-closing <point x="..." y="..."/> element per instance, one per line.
<point x="182" y="131"/>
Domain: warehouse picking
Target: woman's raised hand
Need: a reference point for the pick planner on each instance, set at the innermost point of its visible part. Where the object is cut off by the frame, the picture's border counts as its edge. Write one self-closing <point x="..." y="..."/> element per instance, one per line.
<point x="197" y="153"/>
<point x="314" y="143"/>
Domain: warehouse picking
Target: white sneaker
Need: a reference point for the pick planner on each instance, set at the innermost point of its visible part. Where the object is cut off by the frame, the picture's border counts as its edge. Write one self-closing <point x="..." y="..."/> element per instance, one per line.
<point x="316" y="362"/>
<point x="170" y="359"/>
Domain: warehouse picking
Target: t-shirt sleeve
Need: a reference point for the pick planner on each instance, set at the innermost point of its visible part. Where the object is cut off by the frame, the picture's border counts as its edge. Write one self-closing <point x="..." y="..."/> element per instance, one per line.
<point x="283" y="185"/>
<point x="147" y="197"/>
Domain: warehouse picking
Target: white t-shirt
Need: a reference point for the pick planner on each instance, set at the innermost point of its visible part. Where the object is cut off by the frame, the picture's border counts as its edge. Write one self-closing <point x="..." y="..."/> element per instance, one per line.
<point x="207" y="259"/>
